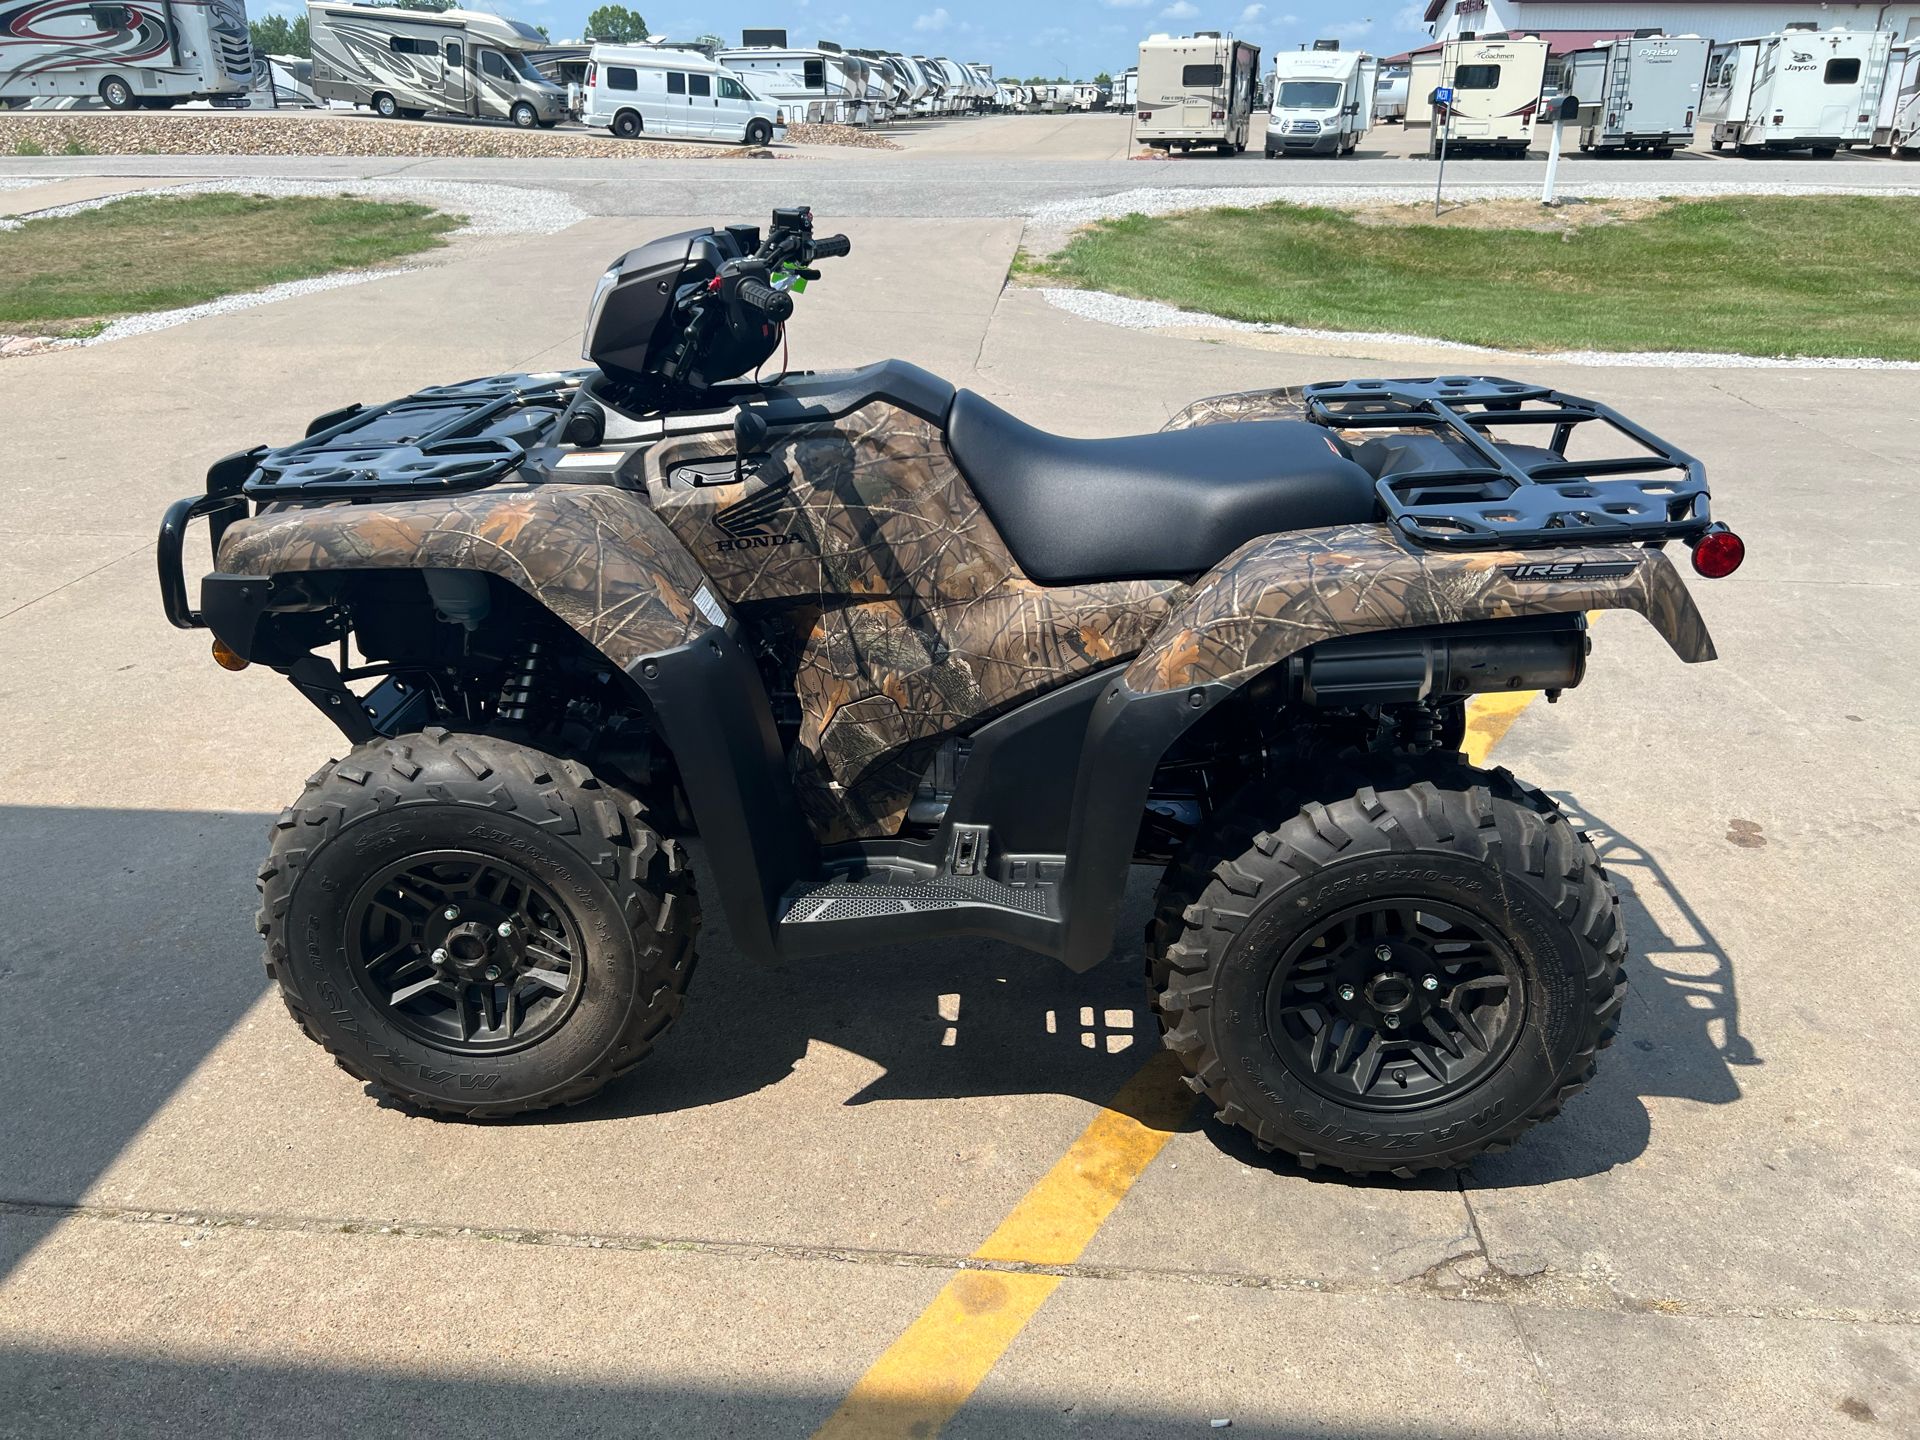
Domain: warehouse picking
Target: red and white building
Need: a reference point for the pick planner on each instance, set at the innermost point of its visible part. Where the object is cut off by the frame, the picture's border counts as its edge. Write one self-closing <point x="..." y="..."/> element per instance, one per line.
<point x="1574" y="24"/>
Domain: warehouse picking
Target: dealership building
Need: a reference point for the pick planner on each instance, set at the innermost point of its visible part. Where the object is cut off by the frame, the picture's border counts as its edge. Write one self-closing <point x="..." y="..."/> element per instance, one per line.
<point x="1568" y="24"/>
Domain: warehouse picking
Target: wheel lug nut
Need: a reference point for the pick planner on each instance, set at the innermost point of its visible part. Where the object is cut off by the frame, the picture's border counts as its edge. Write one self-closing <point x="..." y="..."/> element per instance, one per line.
<point x="1430" y="983"/>
<point x="1393" y="1022"/>
<point x="452" y="912"/>
<point x="1383" y="953"/>
<point x="1346" y="992"/>
<point x="439" y="957"/>
<point x="506" y="929"/>
<point x="493" y="972"/>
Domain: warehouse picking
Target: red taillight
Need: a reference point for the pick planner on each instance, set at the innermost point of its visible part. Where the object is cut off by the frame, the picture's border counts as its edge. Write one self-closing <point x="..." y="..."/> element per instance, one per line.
<point x="1718" y="554"/>
<point x="1146" y="115"/>
<point x="592" y="70"/>
<point x="1689" y="119"/>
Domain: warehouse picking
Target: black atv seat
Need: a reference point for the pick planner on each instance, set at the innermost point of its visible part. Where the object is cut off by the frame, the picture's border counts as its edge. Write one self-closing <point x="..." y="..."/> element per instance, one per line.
<point x="1166" y="505"/>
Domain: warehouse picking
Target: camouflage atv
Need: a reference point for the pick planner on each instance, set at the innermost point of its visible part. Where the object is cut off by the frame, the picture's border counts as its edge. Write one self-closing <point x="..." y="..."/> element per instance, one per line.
<point x="909" y="667"/>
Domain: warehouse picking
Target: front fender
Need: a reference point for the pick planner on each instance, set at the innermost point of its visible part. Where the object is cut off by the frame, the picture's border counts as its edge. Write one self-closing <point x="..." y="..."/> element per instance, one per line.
<point x="597" y="557"/>
<point x="1275" y="596"/>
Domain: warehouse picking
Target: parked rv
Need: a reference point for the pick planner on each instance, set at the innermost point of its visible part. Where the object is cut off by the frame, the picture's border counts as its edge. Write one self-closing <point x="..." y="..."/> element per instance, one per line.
<point x="1322" y="100"/>
<point x="1390" y="93"/>
<point x="128" y="56"/>
<point x="1642" y="93"/>
<point x="415" y="62"/>
<point x="1802" y="89"/>
<point x="1896" y="126"/>
<point x="636" y="90"/>
<point x="1126" y="90"/>
<point x="1496" y="84"/>
<point x="822" y="85"/>
<point x="1196" y="90"/>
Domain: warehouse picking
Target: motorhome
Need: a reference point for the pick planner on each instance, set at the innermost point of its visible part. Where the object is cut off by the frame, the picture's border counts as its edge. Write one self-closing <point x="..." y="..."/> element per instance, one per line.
<point x="1322" y="100"/>
<point x="636" y="90"/>
<point x="1896" y="126"/>
<point x="1496" y="84"/>
<point x="1801" y="89"/>
<point x="415" y="62"/>
<point x="128" y="56"/>
<point x="1196" y="91"/>
<point x="1390" y="93"/>
<point x="818" y="86"/>
<point x="1642" y="93"/>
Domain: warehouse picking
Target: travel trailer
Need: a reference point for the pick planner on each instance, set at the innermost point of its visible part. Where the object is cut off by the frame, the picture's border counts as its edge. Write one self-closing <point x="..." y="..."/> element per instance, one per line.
<point x="1196" y="91"/>
<point x="1896" y="126"/>
<point x="415" y="62"/>
<point x="128" y="56"/>
<point x="1322" y="100"/>
<point x="636" y="90"/>
<point x="1642" y="93"/>
<point x="1802" y="89"/>
<point x="1496" y="84"/>
<point x="1088" y="96"/>
<point x="820" y="86"/>
<point x="1390" y="93"/>
<point x="1126" y="90"/>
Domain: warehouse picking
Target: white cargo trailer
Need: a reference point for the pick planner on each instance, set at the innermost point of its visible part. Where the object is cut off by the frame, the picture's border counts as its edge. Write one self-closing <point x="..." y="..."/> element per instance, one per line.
<point x="1196" y="91"/>
<point x="1496" y="83"/>
<point x="1812" y="90"/>
<point x="1896" y="126"/>
<point x="1322" y="101"/>
<point x="1642" y="93"/>
<point x="145" y="56"/>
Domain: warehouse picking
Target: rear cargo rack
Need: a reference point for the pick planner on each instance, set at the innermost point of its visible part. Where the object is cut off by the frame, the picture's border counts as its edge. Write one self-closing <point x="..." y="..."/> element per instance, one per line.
<point x="1469" y="492"/>
<point x="446" y="439"/>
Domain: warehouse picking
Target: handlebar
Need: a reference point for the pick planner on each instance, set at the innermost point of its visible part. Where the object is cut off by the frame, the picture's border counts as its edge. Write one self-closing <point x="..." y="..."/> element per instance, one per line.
<point x="832" y="246"/>
<point x="776" y="305"/>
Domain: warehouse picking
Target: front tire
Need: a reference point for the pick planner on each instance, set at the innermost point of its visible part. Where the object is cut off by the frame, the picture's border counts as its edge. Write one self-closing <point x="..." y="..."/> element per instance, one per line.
<point x="524" y="116"/>
<point x="759" y="133"/>
<point x="475" y="928"/>
<point x="1394" y="981"/>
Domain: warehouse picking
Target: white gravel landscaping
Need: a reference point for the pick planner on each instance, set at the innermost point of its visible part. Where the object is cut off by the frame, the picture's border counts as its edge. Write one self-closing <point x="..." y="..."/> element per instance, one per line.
<point x="1130" y="314"/>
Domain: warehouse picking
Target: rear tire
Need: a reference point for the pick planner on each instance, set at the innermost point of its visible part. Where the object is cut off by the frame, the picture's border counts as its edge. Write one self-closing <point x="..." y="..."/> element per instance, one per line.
<point x="627" y="125"/>
<point x="1825" y="152"/>
<point x="475" y="928"/>
<point x="1290" y="968"/>
<point x="117" y="94"/>
<point x="386" y="107"/>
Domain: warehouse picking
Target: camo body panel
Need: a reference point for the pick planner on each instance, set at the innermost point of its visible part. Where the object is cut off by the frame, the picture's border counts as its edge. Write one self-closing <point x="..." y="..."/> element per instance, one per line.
<point x="1275" y="596"/>
<point x="1285" y="403"/>
<point x="901" y="615"/>
<point x="597" y="557"/>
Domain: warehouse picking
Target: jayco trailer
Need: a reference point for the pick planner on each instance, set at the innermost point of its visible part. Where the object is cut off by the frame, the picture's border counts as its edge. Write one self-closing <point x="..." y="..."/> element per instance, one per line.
<point x="1322" y="100"/>
<point x="1812" y="90"/>
<point x="1496" y="85"/>
<point x="410" y="62"/>
<point x="1196" y="90"/>
<point x="1897" y="125"/>
<point x="1390" y="93"/>
<point x="1639" y="94"/>
<point x="147" y="56"/>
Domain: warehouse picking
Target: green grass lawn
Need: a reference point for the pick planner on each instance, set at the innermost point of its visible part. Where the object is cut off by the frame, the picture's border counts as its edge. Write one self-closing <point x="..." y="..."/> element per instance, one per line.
<point x="159" y="252"/>
<point x="1813" y="275"/>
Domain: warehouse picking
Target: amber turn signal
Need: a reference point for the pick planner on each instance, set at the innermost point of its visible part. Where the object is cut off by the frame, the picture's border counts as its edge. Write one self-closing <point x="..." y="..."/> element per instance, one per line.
<point x="227" y="658"/>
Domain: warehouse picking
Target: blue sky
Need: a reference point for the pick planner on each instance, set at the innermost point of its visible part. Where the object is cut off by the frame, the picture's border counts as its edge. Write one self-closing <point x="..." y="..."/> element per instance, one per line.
<point x="1077" y="38"/>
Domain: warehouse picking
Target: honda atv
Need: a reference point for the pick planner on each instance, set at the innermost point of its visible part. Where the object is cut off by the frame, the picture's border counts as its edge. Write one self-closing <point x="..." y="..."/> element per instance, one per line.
<point x="910" y="667"/>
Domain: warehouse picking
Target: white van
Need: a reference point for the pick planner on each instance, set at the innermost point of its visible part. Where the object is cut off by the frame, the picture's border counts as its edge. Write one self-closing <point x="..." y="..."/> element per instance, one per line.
<point x="1322" y="100"/>
<point x="636" y="90"/>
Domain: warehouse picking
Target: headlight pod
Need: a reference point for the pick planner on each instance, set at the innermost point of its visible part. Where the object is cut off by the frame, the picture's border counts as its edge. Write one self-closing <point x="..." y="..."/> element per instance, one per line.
<point x="595" y="306"/>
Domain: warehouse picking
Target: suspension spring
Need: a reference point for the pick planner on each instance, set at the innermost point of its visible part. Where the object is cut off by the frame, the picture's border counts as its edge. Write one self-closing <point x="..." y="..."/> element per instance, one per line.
<point x="516" y="696"/>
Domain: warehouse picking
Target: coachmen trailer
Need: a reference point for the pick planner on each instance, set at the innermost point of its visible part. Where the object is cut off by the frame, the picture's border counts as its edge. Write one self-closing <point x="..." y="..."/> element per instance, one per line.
<point x="1897" y="125"/>
<point x="1815" y="90"/>
<point x="1322" y="101"/>
<point x="1196" y="90"/>
<point x="145" y="54"/>
<point x="1496" y="85"/>
<point x="415" y="62"/>
<point x="1639" y="94"/>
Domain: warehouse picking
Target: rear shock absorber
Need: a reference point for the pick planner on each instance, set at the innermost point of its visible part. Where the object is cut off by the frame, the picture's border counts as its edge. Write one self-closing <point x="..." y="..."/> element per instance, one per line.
<point x="516" y="696"/>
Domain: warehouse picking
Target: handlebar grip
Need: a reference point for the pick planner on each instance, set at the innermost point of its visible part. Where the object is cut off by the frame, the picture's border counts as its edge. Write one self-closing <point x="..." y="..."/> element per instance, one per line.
<point x="831" y="246"/>
<point x="776" y="305"/>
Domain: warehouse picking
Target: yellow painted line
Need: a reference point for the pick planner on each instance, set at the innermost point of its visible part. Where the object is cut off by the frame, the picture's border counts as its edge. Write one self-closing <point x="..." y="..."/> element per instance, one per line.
<point x="921" y="1379"/>
<point x="925" y="1376"/>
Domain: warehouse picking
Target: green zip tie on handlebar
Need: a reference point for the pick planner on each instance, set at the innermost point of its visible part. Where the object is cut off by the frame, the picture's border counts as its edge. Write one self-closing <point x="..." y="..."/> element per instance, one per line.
<point x="789" y="272"/>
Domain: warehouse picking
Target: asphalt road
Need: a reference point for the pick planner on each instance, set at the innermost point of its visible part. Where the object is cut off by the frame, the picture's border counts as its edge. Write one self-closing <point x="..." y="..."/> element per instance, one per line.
<point x="206" y="1230"/>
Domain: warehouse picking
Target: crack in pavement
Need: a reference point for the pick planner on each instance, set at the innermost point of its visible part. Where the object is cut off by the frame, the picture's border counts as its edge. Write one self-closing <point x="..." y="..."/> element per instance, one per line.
<point x="1470" y="1279"/>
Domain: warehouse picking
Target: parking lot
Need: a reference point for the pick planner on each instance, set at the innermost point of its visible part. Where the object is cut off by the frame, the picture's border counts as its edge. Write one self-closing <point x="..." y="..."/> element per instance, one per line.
<point x="206" y="1229"/>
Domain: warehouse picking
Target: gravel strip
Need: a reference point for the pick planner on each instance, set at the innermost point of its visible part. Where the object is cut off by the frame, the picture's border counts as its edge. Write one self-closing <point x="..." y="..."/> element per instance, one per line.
<point x="1132" y="314"/>
<point x="166" y="319"/>
<point x="851" y="135"/>
<point x="206" y="132"/>
<point x="490" y="209"/>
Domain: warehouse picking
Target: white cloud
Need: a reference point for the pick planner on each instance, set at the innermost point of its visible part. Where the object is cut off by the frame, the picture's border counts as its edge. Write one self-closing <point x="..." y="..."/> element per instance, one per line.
<point x="1411" y="17"/>
<point x="934" y="23"/>
<point x="1252" y="14"/>
<point x="1180" y="10"/>
<point x="1126" y="4"/>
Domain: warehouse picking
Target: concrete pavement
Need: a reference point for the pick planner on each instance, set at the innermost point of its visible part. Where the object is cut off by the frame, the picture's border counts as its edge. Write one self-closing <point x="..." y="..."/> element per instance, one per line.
<point x="208" y="1230"/>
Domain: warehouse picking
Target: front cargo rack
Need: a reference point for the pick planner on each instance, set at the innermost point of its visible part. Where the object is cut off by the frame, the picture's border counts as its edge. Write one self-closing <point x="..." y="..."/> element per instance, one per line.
<point x="445" y="439"/>
<point x="1444" y="481"/>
